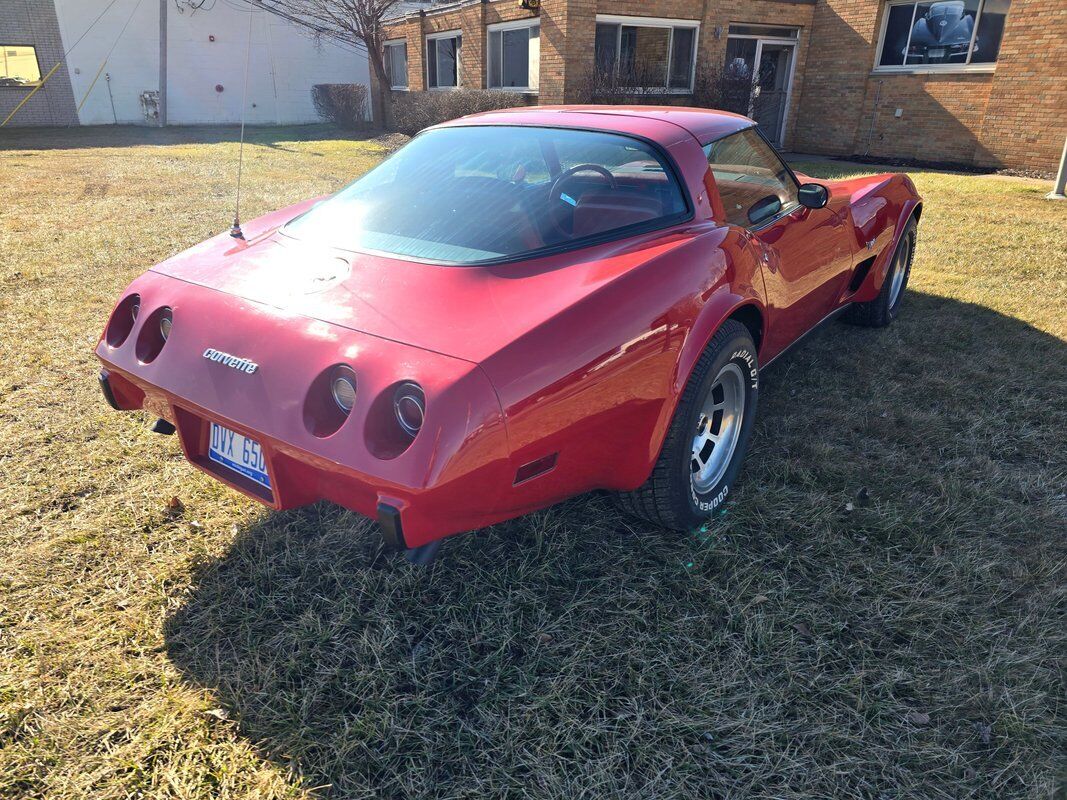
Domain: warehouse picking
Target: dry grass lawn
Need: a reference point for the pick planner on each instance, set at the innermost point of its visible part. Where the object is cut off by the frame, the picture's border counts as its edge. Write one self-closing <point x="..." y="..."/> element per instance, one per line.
<point x="878" y="613"/>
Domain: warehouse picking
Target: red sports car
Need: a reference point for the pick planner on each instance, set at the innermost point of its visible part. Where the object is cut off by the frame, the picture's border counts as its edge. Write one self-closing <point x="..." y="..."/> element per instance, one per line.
<point x="515" y="308"/>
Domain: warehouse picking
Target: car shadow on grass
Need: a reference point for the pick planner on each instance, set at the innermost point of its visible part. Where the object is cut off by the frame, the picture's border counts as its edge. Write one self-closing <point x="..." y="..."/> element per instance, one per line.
<point x="873" y="614"/>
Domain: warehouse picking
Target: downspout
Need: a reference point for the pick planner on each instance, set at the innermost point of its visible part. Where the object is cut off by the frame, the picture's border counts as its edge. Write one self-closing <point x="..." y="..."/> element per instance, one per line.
<point x="874" y="116"/>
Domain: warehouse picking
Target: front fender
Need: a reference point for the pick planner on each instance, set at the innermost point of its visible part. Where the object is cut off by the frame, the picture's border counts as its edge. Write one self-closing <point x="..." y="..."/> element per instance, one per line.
<point x="897" y="201"/>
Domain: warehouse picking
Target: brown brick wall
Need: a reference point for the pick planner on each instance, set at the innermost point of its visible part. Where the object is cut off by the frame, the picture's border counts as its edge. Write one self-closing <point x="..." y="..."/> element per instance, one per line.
<point x="940" y="117"/>
<point x="839" y="59"/>
<point x="472" y="21"/>
<point x="1015" y="116"/>
<point x="567" y="31"/>
<point x="1026" y="116"/>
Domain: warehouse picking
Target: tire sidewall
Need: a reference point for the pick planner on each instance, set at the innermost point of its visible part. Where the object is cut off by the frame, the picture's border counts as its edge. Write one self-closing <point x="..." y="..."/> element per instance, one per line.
<point x="892" y="309"/>
<point x="740" y="350"/>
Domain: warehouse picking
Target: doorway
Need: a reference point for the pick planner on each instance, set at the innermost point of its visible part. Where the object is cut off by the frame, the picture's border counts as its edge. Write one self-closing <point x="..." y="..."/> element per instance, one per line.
<point x="758" y="75"/>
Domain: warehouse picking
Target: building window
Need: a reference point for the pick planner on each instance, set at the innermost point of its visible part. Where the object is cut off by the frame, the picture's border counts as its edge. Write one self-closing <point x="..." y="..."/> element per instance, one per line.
<point x="515" y="55"/>
<point x="645" y="53"/>
<point x="396" y="64"/>
<point x="18" y="65"/>
<point x="442" y="60"/>
<point x="947" y="35"/>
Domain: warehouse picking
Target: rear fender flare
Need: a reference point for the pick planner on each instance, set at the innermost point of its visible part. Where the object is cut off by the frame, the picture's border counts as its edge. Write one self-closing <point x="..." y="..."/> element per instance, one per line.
<point x="719" y="308"/>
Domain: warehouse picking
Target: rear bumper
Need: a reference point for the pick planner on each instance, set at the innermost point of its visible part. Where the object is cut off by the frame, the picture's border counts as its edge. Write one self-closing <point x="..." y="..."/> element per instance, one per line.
<point x="409" y="514"/>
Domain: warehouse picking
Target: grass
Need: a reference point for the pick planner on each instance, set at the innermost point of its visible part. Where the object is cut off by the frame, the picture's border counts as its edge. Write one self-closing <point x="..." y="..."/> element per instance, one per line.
<point x="879" y="612"/>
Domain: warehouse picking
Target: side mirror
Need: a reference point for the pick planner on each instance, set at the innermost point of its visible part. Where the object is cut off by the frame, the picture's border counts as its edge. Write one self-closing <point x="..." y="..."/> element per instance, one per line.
<point x="764" y="209"/>
<point x="812" y="195"/>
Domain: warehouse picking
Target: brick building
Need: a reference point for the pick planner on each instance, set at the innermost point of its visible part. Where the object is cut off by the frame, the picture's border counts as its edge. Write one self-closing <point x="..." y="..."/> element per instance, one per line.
<point x="973" y="82"/>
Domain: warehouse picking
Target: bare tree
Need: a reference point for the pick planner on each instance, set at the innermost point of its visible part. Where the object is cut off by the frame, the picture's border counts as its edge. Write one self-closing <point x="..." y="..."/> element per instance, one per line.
<point x="359" y="22"/>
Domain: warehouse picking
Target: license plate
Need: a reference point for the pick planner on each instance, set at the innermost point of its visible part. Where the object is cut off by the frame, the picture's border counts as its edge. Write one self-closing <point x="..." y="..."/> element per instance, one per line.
<point x="936" y="52"/>
<point x="239" y="453"/>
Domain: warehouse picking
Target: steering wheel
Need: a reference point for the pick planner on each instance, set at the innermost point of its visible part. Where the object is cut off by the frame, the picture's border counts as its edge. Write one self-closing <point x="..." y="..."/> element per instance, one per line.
<point x="558" y="196"/>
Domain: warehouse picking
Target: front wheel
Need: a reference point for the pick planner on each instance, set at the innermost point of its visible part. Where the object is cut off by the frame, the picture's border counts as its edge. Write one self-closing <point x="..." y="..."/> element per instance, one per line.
<point x="708" y="437"/>
<point x="883" y="309"/>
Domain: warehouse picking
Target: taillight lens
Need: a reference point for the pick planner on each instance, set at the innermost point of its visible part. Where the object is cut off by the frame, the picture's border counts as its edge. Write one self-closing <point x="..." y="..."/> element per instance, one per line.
<point x="166" y="321"/>
<point x="154" y="333"/>
<point x="343" y="388"/>
<point x="122" y="320"/>
<point x="409" y="405"/>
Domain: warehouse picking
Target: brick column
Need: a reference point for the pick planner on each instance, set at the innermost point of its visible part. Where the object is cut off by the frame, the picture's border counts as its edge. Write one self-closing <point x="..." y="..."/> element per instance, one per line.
<point x="568" y="29"/>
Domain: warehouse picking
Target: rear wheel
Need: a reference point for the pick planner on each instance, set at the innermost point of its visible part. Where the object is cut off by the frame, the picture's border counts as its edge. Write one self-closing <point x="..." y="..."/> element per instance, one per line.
<point x="883" y="309"/>
<point x="708" y="437"/>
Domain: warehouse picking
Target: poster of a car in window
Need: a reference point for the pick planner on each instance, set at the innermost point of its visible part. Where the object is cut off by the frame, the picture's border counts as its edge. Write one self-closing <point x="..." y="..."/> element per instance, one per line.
<point x="944" y="32"/>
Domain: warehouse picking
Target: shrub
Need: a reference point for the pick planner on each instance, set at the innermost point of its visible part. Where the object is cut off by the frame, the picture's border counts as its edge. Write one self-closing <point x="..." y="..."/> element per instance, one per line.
<point x="413" y="111"/>
<point x="344" y="104"/>
<point x="728" y="90"/>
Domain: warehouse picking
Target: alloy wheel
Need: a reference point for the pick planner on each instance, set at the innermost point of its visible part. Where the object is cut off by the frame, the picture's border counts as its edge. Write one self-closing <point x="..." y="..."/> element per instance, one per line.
<point x="718" y="428"/>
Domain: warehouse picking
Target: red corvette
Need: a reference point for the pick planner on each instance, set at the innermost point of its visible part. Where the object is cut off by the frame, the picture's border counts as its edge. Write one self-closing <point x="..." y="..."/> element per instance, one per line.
<point x="515" y="308"/>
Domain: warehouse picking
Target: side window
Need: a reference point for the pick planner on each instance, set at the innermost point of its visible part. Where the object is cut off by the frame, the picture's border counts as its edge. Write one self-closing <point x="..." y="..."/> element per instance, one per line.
<point x="753" y="182"/>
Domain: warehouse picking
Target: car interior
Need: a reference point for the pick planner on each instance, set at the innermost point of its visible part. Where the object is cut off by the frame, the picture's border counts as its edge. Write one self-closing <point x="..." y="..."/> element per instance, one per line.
<point x="470" y="203"/>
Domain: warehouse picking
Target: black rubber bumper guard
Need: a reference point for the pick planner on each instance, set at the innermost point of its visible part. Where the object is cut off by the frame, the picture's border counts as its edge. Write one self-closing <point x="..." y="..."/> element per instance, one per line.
<point x="105" y="387"/>
<point x="392" y="530"/>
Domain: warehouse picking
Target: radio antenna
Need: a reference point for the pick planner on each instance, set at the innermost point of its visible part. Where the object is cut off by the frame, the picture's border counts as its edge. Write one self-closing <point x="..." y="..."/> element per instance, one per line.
<point x="235" y="231"/>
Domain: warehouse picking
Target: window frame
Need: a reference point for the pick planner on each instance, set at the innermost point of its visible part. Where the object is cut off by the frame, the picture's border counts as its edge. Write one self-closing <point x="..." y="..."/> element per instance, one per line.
<point x="453" y="34"/>
<point x="392" y="78"/>
<point x="36" y="57"/>
<point x="500" y="27"/>
<point x="656" y="22"/>
<point x="913" y="69"/>
<point x="786" y="209"/>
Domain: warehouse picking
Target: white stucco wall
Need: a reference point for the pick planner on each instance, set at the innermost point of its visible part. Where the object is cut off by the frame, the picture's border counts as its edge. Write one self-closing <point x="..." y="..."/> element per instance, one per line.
<point x="133" y="66"/>
<point x="285" y="61"/>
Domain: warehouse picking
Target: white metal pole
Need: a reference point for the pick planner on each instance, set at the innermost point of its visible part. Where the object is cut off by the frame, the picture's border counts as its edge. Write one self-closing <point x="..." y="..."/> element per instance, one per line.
<point x="163" y="62"/>
<point x="1061" y="177"/>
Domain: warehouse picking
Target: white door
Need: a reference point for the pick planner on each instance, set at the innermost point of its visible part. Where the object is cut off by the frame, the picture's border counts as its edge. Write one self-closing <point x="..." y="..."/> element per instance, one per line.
<point x="758" y="80"/>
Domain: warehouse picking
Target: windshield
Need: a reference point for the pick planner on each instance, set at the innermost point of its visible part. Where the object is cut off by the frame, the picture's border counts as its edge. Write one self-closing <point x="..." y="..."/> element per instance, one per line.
<point x="470" y="194"/>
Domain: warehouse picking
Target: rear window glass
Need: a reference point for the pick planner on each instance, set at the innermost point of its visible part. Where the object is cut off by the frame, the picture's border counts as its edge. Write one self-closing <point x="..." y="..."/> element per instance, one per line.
<point x="470" y="194"/>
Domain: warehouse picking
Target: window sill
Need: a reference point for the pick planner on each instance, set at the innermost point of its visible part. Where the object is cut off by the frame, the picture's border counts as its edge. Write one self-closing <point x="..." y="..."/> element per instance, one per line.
<point x="937" y="69"/>
<point x="654" y="91"/>
<point x="513" y="89"/>
<point x="443" y="88"/>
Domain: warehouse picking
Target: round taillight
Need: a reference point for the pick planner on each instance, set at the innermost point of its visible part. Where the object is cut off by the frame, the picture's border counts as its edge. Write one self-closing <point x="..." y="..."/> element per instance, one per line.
<point x="166" y="321"/>
<point x="343" y="389"/>
<point x="153" y="335"/>
<point x="122" y="320"/>
<point x="409" y="405"/>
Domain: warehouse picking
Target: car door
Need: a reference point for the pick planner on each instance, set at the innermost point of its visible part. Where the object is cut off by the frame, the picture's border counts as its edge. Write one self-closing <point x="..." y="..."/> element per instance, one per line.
<point x="804" y="253"/>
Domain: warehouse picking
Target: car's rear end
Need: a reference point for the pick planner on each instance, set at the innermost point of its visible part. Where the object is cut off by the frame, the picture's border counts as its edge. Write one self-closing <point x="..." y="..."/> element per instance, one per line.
<point x="258" y="394"/>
